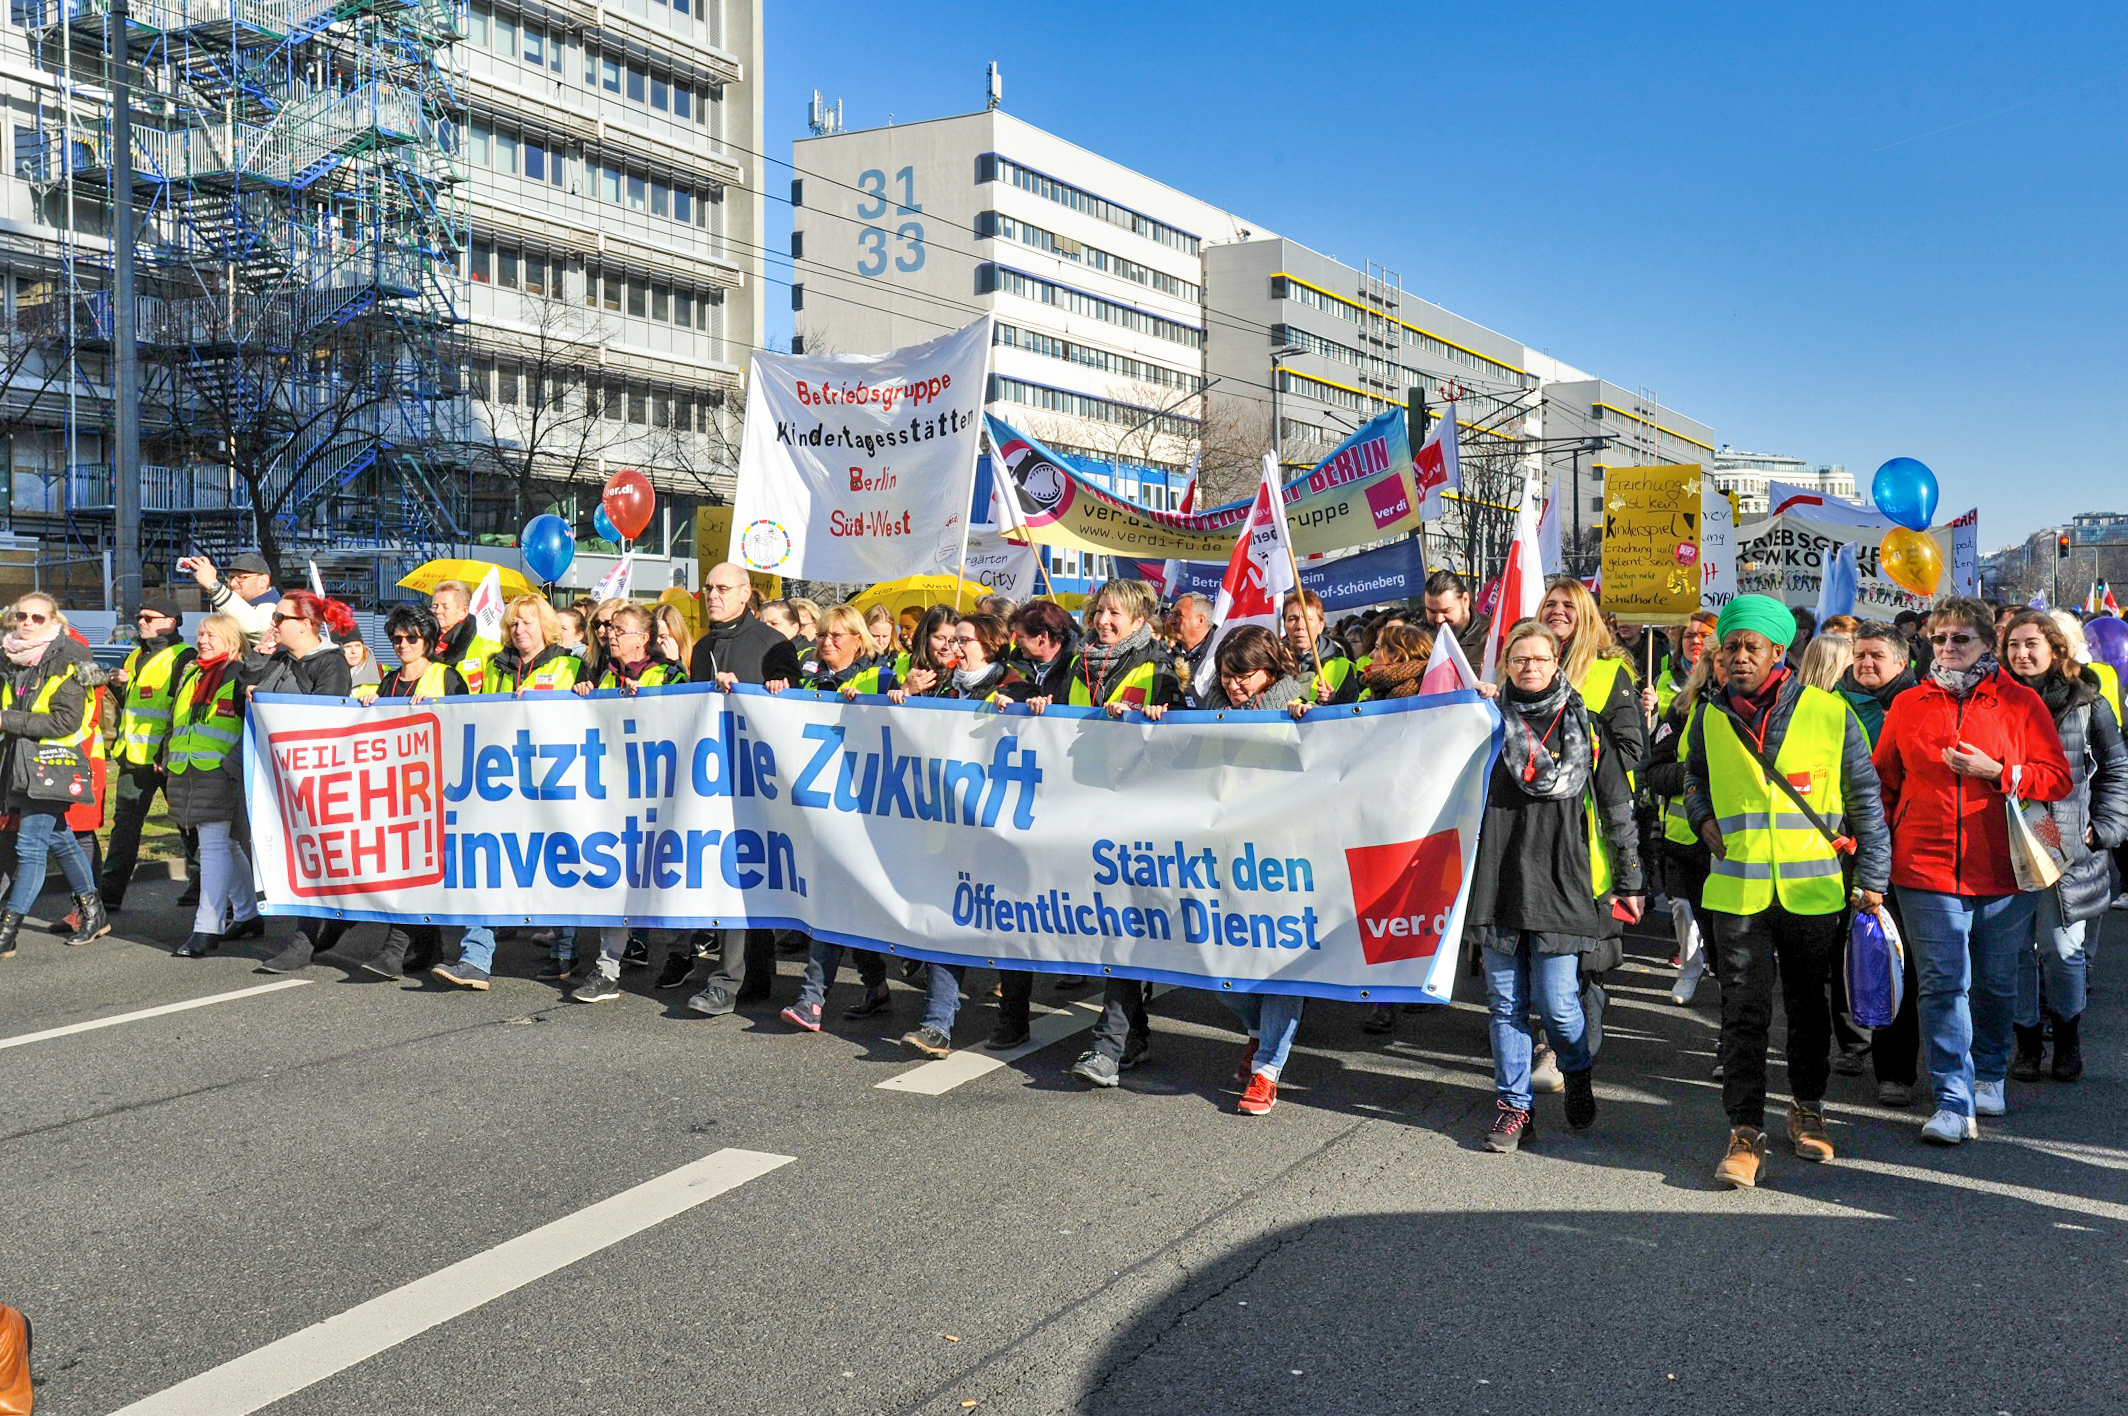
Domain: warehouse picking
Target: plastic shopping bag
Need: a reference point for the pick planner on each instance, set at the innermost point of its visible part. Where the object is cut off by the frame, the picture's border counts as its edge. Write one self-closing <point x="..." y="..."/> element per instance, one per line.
<point x="1876" y="968"/>
<point x="2036" y="853"/>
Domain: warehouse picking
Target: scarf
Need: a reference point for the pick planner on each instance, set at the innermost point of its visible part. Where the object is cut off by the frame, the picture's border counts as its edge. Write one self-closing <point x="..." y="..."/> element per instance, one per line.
<point x="2059" y="692"/>
<point x="1959" y="682"/>
<point x="1883" y="693"/>
<point x="1752" y="708"/>
<point x="26" y="646"/>
<point x="1546" y="748"/>
<point x="207" y="674"/>
<point x="971" y="683"/>
<point x="1395" y="680"/>
<point x="1100" y="662"/>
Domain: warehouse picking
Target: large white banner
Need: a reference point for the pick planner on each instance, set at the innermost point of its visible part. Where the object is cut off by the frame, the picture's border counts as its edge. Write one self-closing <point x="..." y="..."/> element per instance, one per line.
<point x="858" y="467"/>
<point x="1717" y="546"/>
<point x="1237" y="851"/>
<point x="1785" y="557"/>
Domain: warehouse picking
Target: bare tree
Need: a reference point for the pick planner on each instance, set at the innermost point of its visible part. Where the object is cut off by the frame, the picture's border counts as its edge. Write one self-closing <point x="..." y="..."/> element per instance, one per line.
<point x="536" y="402"/>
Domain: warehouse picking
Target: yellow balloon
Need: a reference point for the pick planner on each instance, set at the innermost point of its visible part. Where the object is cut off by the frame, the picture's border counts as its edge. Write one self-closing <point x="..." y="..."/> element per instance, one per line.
<point x="1911" y="559"/>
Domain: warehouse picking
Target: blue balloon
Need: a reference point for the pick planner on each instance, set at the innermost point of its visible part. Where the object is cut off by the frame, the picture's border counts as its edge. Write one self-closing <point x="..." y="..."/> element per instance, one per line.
<point x="547" y="546"/>
<point x="1905" y="490"/>
<point x="603" y="524"/>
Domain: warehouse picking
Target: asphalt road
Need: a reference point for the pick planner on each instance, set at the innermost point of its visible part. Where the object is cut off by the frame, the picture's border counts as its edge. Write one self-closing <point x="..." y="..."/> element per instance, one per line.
<point x="409" y="1192"/>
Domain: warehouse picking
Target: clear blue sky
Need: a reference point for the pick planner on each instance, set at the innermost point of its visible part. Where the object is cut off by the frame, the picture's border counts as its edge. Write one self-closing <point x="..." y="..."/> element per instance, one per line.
<point x="1848" y="232"/>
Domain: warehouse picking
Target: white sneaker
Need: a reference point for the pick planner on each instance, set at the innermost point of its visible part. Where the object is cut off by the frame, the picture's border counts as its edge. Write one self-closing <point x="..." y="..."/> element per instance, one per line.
<point x="1987" y="1099"/>
<point x="1688" y="977"/>
<point x="1948" y="1128"/>
<point x="1545" y="1075"/>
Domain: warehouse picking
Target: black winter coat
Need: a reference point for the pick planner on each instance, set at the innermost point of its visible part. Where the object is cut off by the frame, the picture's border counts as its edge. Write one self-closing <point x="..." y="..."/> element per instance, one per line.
<point x="24" y="728"/>
<point x="745" y="648"/>
<point x="196" y="798"/>
<point x="322" y="673"/>
<point x="2098" y="760"/>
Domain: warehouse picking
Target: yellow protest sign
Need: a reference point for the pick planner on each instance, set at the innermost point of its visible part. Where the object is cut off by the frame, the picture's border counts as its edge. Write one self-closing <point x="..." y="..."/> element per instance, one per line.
<point x="713" y="546"/>
<point x="1651" y="542"/>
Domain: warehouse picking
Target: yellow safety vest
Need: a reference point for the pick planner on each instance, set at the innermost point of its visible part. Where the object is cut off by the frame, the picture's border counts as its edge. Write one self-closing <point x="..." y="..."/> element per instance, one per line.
<point x="653" y="676"/>
<point x="1772" y="850"/>
<point x="1132" y="690"/>
<point x="1596" y="688"/>
<point x="2109" y="683"/>
<point x="82" y="737"/>
<point x="150" y="689"/>
<point x="200" y="738"/>
<point x="1676" y="826"/>
<point x="473" y="668"/>
<point x="556" y="674"/>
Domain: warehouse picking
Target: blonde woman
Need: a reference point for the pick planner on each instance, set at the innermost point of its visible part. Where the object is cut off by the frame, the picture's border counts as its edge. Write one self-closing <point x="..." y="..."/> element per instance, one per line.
<point x="1827" y="659"/>
<point x="674" y="637"/>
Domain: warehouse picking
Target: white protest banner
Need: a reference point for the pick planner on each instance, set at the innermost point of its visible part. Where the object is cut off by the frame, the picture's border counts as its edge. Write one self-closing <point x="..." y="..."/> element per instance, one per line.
<point x="855" y="467"/>
<point x="1963" y="574"/>
<point x="1785" y="557"/>
<point x="1003" y="567"/>
<point x="1717" y="547"/>
<point x="1328" y="857"/>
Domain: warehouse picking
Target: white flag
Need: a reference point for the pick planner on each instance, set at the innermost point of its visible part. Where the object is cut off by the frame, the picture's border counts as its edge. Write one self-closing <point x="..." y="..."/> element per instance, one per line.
<point x="1172" y="572"/>
<point x="487" y="606"/>
<point x="616" y="583"/>
<point x="1548" y="550"/>
<point x="1521" y="583"/>
<point x="1447" y="671"/>
<point x="1437" y="466"/>
<point x="1259" y="573"/>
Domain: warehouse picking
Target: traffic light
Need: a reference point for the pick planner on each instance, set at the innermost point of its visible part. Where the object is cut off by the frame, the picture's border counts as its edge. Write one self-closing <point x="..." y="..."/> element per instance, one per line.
<point x="2061" y="546"/>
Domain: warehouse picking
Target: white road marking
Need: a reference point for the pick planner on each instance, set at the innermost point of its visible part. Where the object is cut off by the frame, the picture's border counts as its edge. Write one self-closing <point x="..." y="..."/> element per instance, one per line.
<point x="111" y="1022"/>
<point x="304" y="1358"/>
<point x="938" y="1078"/>
<point x="2031" y="1195"/>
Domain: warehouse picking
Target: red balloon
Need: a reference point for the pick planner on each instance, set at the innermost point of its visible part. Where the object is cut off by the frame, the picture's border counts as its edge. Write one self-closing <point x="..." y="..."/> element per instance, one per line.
<point x="628" y="500"/>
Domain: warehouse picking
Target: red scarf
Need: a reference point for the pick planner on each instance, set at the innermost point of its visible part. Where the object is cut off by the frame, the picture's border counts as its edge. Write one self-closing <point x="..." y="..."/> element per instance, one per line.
<point x="207" y="673"/>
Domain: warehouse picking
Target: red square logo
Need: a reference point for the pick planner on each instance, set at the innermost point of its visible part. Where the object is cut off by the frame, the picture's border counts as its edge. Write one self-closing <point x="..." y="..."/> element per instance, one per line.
<point x="1403" y="894"/>
<point x="1389" y="502"/>
<point x="361" y="807"/>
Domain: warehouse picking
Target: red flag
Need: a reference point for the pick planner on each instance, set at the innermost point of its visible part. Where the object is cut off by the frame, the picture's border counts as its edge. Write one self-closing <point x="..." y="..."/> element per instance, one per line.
<point x="1436" y="466"/>
<point x="1521" y="583"/>
<point x="1260" y="572"/>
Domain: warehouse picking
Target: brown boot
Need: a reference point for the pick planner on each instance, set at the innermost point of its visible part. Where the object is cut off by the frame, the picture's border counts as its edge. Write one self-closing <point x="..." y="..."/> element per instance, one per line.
<point x="1806" y="1131"/>
<point x="16" y="1399"/>
<point x="1746" y="1161"/>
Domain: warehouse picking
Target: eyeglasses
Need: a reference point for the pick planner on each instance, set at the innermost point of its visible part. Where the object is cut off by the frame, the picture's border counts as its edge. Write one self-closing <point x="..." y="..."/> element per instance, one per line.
<point x="150" y="615"/>
<point x="840" y="634"/>
<point x="27" y="618"/>
<point x="631" y="633"/>
<point x="967" y="639"/>
<point x="714" y="588"/>
<point x="1526" y="661"/>
<point x="1939" y="640"/>
<point x="287" y="619"/>
<point x="408" y="639"/>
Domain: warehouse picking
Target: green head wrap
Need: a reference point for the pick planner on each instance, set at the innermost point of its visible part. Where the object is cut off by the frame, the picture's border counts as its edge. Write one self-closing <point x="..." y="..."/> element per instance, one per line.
<point x="1760" y="612"/>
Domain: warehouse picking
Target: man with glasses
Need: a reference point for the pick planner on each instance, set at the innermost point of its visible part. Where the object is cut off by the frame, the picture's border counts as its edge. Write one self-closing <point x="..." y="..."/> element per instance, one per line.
<point x="735" y="648"/>
<point x="147" y="685"/>
<point x="244" y="591"/>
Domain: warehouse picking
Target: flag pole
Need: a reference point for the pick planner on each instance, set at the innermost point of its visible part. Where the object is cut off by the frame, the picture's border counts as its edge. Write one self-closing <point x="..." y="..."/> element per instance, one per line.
<point x="1313" y="657"/>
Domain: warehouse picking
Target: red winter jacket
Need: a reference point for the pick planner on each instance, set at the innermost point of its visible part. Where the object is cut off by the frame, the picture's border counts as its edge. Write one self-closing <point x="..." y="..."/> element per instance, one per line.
<point x="1949" y="832"/>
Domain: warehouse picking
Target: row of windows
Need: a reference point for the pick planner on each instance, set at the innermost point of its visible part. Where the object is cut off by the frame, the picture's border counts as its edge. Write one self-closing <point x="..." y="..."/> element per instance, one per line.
<point x="508" y="384"/>
<point x="536" y="273"/>
<point x="1079" y="405"/>
<point x="1283" y="288"/>
<point x="992" y="168"/>
<point x="537" y="160"/>
<point x="1121" y="365"/>
<point x="1369" y="364"/>
<point x="635" y="82"/>
<point x="1332" y="394"/>
<point x="992" y="225"/>
<point x="996" y="279"/>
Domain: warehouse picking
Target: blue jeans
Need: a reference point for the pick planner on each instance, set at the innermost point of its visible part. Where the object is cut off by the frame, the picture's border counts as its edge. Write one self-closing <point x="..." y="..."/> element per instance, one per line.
<point x="1966" y="949"/>
<point x="826" y="961"/>
<point x="43" y="831"/>
<point x="942" y="999"/>
<point x="477" y="949"/>
<point x="1272" y="1019"/>
<point x="1512" y="983"/>
<point x="2057" y="956"/>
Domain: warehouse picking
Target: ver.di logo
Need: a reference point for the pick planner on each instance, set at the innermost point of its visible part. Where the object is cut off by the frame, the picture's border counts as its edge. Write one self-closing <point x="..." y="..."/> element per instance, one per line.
<point x="765" y="545"/>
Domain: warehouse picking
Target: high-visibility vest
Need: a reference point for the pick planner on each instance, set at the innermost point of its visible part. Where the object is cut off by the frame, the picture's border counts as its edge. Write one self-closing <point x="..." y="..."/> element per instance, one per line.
<point x="1771" y="849"/>
<point x="83" y="739"/>
<point x="151" y="687"/>
<point x="2109" y="683"/>
<point x="1133" y="689"/>
<point x="473" y="668"/>
<point x="201" y="737"/>
<point x="1666" y="690"/>
<point x="1596" y="688"/>
<point x="556" y="674"/>
<point x="1335" y="672"/>
<point x="1676" y="826"/>
<point x="656" y="674"/>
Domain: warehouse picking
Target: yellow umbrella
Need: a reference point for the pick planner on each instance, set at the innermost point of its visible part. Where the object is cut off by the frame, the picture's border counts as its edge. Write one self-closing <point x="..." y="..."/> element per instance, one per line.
<point x="426" y="578"/>
<point x="921" y="592"/>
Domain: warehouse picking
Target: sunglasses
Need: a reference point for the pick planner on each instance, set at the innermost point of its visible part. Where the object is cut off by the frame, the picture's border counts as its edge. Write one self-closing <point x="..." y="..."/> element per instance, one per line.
<point x="27" y="618"/>
<point x="408" y="639"/>
<point x="1959" y="639"/>
<point x="287" y="619"/>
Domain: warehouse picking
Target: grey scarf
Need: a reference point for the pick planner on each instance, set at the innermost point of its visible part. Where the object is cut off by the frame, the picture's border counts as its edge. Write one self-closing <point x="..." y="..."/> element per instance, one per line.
<point x="1547" y="747"/>
<point x="1101" y="662"/>
<point x="1959" y="682"/>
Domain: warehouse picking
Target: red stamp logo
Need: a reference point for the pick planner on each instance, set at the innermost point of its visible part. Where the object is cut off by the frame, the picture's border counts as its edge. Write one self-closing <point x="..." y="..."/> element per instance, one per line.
<point x="1389" y="502"/>
<point x="361" y="807"/>
<point x="1403" y="894"/>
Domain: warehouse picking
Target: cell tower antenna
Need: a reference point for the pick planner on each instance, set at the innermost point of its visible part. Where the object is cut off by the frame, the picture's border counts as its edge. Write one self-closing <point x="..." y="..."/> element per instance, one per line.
<point x="995" y="92"/>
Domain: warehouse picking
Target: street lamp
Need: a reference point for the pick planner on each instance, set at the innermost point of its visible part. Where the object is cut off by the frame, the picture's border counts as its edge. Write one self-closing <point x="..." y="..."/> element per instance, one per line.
<point x="1278" y="357"/>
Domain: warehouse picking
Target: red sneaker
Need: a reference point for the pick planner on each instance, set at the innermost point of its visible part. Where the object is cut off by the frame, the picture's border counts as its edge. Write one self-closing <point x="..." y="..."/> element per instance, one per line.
<point x="1247" y="1069"/>
<point x="1261" y="1096"/>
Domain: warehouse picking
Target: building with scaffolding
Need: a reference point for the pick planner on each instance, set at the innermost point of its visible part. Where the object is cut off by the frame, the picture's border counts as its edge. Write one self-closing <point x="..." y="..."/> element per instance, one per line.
<point x="393" y="265"/>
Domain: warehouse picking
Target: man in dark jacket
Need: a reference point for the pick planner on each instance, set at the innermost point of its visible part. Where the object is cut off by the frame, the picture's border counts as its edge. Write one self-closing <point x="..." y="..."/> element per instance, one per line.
<point x="1776" y="891"/>
<point x="1448" y="604"/>
<point x="147" y="687"/>
<point x="1043" y="635"/>
<point x="736" y="648"/>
